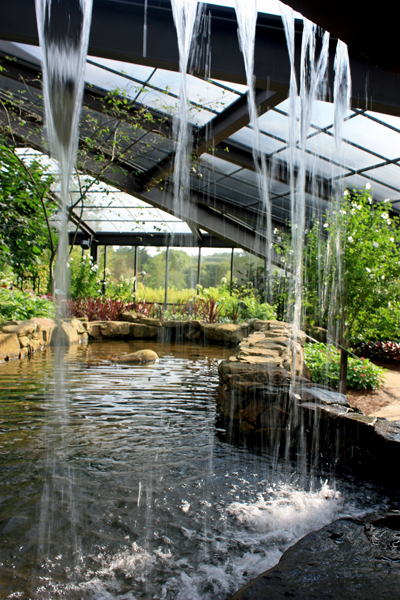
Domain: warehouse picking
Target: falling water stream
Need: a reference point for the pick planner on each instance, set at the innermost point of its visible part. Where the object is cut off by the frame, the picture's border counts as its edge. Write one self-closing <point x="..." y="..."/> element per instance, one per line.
<point x="143" y="498"/>
<point x="63" y="29"/>
<point x="246" y="14"/>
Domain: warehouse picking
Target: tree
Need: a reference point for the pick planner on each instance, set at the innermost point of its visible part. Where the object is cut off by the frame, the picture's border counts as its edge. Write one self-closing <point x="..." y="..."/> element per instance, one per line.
<point x="27" y="206"/>
<point x="352" y="271"/>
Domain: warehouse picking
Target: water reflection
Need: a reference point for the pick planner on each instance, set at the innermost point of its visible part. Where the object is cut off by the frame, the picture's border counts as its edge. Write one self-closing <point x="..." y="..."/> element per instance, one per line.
<point x="164" y="510"/>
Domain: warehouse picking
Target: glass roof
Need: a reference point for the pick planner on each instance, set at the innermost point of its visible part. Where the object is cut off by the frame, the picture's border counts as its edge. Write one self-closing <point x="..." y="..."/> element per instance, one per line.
<point x="371" y="149"/>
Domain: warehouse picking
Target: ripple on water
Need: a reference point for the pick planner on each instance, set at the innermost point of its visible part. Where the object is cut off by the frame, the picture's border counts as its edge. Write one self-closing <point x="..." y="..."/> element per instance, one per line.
<point x="133" y="474"/>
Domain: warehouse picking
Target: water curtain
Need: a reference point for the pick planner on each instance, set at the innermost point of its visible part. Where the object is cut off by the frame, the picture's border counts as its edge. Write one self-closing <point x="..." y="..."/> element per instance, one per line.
<point x="246" y="14"/>
<point x="184" y="14"/>
<point x="63" y="29"/>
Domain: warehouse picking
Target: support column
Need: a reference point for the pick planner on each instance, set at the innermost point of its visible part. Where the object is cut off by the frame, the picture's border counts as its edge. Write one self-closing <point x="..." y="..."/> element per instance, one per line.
<point x="94" y="252"/>
<point x="105" y="268"/>
<point x="199" y="267"/>
<point x="166" y="277"/>
<point x="232" y="266"/>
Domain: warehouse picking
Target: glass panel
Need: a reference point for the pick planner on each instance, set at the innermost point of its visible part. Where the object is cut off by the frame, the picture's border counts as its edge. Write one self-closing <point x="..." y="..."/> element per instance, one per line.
<point x="245" y="136"/>
<point x="372" y="136"/>
<point x="274" y="123"/>
<point x="199" y="91"/>
<point x="353" y="158"/>
<point x="313" y="164"/>
<point x="389" y="119"/>
<point x="389" y="175"/>
<point x="137" y="71"/>
<point x="110" y="81"/>
<point x="215" y="163"/>
<point x="378" y="192"/>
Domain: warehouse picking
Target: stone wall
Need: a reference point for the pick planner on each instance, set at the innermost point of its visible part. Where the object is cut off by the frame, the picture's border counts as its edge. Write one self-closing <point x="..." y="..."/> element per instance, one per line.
<point x="20" y="338"/>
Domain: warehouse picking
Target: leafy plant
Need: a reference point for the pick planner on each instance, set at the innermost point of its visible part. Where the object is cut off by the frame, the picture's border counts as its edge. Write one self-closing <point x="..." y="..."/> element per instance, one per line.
<point x="323" y="362"/>
<point x="16" y="305"/>
<point x="385" y="351"/>
<point x="210" y="310"/>
<point x="97" y="309"/>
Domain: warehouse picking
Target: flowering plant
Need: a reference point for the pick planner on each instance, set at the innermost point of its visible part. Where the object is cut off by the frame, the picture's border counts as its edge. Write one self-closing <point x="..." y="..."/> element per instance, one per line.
<point x="323" y="362"/>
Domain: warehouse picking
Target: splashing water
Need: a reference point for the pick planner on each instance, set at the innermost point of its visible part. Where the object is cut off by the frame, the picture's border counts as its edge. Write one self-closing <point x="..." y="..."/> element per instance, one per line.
<point x="246" y="14"/>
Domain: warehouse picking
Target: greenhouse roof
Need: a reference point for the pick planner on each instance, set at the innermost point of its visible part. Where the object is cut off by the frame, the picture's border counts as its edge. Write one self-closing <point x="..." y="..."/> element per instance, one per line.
<point x="224" y="190"/>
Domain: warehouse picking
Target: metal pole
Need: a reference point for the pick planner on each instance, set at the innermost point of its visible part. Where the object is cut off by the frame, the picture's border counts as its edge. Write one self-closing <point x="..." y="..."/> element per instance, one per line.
<point x="232" y="265"/>
<point x="135" y="283"/>
<point x="105" y="269"/>
<point x="199" y="266"/>
<point x="166" y="277"/>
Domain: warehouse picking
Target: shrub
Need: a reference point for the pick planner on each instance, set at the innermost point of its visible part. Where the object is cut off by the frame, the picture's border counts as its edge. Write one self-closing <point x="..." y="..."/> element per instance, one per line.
<point x="97" y="309"/>
<point x="386" y="350"/>
<point x="323" y="362"/>
<point x="20" y="306"/>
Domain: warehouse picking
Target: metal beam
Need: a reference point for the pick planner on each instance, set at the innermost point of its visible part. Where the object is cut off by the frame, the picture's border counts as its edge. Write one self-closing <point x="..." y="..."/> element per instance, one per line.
<point x="223" y="125"/>
<point x="117" y="33"/>
<point x="177" y="240"/>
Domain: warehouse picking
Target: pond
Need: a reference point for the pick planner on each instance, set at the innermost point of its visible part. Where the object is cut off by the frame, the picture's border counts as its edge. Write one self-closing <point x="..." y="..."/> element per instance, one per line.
<point x="124" y="488"/>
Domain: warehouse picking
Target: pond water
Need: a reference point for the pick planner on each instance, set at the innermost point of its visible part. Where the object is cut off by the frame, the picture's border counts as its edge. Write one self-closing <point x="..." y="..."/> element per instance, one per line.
<point x="124" y="488"/>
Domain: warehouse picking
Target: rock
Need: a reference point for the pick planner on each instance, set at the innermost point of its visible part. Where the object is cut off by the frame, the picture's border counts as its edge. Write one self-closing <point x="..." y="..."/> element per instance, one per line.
<point x="150" y="321"/>
<point x="64" y="335"/>
<point x="78" y="325"/>
<point x="9" y="346"/>
<point x="33" y="345"/>
<point x="137" y="330"/>
<point x="129" y="316"/>
<point x="347" y="560"/>
<point x="325" y="396"/>
<point x="172" y="324"/>
<point x="23" y="341"/>
<point x="112" y="329"/>
<point x="106" y="329"/>
<point x="45" y="328"/>
<point x="141" y="356"/>
<point x="26" y="328"/>
<point x="223" y="333"/>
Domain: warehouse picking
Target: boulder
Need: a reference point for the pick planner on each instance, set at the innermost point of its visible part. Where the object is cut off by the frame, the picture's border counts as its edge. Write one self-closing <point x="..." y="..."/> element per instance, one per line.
<point x="45" y="328"/>
<point x="25" y="328"/>
<point x="9" y="346"/>
<point x="112" y="329"/>
<point x="139" y="357"/>
<point x="150" y="321"/>
<point x="350" y="559"/>
<point x="64" y="335"/>
<point x="223" y="333"/>
<point x="137" y="330"/>
<point x="79" y="326"/>
<point x="129" y="316"/>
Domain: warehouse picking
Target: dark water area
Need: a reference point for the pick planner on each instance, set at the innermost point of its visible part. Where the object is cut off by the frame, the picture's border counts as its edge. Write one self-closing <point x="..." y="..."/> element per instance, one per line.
<point x="124" y="489"/>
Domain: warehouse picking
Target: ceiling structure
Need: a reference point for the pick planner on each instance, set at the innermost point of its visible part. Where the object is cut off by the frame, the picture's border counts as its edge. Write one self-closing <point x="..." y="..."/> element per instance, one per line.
<point x="226" y="209"/>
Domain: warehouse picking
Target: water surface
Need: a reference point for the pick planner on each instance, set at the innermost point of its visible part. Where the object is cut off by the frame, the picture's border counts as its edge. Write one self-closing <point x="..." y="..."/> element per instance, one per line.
<point x="124" y="490"/>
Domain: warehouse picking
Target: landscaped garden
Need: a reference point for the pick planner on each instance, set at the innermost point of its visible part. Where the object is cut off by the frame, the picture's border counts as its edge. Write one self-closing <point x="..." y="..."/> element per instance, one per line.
<point x="351" y="269"/>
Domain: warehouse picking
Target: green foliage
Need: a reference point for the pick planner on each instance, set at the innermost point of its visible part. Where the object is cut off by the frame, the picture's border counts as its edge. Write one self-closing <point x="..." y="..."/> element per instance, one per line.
<point x="25" y="201"/>
<point x="239" y="302"/>
<point x="84" y="277"/>
<point x="19" y="306"/>
<point x="323" y="362"/>
<point x="351" y="270"/>
<point x="97" y="309"/>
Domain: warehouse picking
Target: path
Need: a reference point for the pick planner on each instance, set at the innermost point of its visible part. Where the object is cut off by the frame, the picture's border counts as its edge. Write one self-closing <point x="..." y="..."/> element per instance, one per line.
<point x="381" y="403"/>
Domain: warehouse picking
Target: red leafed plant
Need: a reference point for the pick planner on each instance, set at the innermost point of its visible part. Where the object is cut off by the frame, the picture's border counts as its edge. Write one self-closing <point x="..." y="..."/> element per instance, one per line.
<point x="97" y="309"/>
<point x="210" y="310"/>
<point x="381" y="350"/>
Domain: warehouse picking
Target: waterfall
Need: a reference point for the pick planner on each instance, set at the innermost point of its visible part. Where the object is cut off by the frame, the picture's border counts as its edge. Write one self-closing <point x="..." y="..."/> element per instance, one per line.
<point x="184" y="13"/>
<point x="246" y="14"/>
<point x="63" y="29"/>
